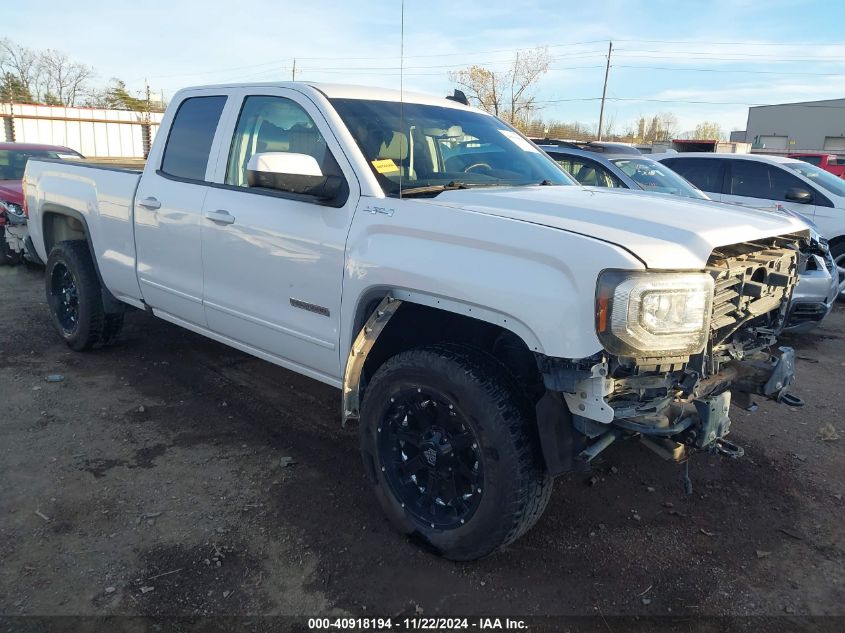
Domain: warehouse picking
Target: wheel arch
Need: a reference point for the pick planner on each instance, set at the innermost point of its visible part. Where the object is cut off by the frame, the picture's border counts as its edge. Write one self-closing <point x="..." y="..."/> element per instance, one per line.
<point x="61" y="223"/>
<point x="389" y="321"/>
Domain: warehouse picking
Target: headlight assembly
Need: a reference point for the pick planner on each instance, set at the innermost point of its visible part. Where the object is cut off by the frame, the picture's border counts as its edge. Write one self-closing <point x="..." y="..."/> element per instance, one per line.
<point x="644" y="314"/>
<point x="11" y="207"/>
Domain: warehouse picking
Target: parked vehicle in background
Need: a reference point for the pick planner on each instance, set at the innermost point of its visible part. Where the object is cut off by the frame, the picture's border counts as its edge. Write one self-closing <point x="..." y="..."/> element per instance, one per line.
<point x="490" y="323"/>
<point x="599" y="147"/>
<point x="13" y="221"/>
<point x="829" y="162"/>
<point x="760" y="181"/>
<point x="818" y="287"/>
<point x="627" y="171"/>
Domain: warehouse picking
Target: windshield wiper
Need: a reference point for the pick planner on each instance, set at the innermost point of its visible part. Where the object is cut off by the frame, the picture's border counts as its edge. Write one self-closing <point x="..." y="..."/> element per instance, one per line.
<point x="457" y="184"/>
<point x="434" y="188"/>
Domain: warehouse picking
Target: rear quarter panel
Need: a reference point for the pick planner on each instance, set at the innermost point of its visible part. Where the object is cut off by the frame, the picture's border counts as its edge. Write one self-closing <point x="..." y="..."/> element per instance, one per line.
<point x="102" y="198"/>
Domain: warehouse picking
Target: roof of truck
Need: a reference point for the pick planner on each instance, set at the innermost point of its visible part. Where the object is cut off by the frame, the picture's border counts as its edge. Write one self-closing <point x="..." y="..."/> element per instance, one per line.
<point x="345" y="91"/>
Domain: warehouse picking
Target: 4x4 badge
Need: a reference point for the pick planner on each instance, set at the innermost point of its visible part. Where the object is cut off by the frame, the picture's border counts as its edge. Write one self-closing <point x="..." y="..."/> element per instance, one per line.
<point x="382" y="210"/>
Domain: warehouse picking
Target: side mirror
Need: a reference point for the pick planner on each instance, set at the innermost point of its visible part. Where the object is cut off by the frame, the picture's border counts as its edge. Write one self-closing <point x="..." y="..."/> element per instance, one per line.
<point x="799" y="195"/>
<point x="293" y="173"/>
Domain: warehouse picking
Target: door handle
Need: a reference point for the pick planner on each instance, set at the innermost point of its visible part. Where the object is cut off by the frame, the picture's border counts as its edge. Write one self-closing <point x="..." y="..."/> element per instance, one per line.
<point x="149" y="203"/>
<point x="221" y="216"/>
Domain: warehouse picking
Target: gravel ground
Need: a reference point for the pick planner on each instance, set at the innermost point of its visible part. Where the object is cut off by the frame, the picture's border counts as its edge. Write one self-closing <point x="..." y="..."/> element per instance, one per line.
<point x="149" y="481"/>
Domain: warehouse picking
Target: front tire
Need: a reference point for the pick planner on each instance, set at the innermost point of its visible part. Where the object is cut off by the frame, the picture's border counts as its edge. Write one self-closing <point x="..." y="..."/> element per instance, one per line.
<point x="449" y="445"/>
<point x="74" y="295"/>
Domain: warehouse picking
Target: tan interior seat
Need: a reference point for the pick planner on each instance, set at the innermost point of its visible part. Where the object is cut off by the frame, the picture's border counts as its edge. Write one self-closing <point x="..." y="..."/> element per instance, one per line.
<point x="397" y="151"/>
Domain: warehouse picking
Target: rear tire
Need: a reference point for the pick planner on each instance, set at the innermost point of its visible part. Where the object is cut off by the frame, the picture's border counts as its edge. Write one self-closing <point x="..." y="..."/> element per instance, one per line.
<point x="7" y="255"/>
<point x="454" y="419"/>
<point x="74" y="295"/>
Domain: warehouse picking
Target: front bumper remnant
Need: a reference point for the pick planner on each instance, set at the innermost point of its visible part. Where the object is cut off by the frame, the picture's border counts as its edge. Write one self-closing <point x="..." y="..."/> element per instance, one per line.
<point x="699" y="421"/>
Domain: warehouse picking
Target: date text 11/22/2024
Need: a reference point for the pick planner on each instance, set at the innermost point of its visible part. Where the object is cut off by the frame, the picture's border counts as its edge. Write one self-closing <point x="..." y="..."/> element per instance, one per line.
<point x="417" y="624"/>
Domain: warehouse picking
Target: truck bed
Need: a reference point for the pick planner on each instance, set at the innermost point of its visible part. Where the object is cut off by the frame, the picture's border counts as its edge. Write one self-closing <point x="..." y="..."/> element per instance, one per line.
<point x="102" y="198"/>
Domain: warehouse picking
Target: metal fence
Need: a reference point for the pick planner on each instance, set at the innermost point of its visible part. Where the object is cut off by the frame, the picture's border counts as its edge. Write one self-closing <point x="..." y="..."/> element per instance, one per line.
<point x="94" y="132"/>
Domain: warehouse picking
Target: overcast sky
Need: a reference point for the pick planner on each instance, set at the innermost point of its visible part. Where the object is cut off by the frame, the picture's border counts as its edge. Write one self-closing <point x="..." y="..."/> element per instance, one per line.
<point x="669" y="55"/>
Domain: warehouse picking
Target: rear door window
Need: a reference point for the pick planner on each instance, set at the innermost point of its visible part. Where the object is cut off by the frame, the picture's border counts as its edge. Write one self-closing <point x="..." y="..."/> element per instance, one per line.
<point x="704" y="173"/>
<point x="191" y="135"/>
<point x="751" y="180"/>
<point x="754" y="179"/>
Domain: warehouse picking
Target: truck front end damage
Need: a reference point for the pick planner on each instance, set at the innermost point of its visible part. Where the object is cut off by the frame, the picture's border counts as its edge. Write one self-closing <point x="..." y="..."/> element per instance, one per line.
<point x="679" y="349"/>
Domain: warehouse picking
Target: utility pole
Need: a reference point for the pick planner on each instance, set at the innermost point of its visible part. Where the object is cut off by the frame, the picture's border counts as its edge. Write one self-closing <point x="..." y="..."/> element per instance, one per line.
<point x="293" y="71"/>
<point x="604" y="90"/>
<point x="146" y="132"/>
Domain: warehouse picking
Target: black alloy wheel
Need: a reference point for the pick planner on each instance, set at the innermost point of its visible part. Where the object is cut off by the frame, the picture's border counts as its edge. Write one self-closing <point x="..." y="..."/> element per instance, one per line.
<point x="65" y="298"/>
<point x="449" y="444"/>
<point x="430" y="458"/>
<point x="74" y="295"/>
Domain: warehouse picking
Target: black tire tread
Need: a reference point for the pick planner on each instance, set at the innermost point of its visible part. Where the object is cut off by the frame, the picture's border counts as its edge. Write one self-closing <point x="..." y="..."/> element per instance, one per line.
<point x="533" y="489"/>
<point x="540" y="487"/>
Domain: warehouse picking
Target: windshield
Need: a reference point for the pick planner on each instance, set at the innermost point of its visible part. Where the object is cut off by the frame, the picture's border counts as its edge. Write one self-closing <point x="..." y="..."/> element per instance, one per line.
<point x="438" y="147"/>
<point x="652" y="176"/>
<point x="820" y="177"/>
<point x="13" y="161"/>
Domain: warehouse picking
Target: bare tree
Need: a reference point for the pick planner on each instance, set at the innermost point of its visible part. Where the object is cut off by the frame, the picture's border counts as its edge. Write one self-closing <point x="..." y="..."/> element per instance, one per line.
<point x="506" y="94"/>
<point x="661" y="127"/>
<point x="482" y="86"/>
<point x="65" y="78"/>
<point x="22" y="64"/>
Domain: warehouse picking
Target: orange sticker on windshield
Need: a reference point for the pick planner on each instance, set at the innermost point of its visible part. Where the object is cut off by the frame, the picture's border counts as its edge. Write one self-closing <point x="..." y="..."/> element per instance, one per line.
<point x="385" y="166"/>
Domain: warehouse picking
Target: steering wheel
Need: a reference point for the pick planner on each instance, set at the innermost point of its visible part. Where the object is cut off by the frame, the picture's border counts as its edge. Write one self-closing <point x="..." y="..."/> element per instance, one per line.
<point x="484" y="166"/>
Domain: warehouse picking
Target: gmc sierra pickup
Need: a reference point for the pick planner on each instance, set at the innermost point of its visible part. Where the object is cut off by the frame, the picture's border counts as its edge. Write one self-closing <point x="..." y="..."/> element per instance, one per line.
<point x="491" y="324"/>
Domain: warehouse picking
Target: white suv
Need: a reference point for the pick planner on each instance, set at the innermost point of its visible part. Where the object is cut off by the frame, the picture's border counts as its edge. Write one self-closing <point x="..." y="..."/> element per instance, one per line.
<point x="763" y="182"/>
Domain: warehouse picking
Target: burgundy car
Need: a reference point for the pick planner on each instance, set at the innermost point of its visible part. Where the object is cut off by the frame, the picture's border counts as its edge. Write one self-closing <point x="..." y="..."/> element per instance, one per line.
<point x="13" y="157"/>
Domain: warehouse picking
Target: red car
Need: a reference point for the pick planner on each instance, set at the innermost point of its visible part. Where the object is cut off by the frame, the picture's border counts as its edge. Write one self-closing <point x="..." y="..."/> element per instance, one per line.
<point x="13" y="157"/>
<point x="829" y="162"/>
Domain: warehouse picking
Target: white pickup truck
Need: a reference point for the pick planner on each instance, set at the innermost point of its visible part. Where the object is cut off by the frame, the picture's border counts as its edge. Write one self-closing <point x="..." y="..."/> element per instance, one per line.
<point x="491" y="324"/>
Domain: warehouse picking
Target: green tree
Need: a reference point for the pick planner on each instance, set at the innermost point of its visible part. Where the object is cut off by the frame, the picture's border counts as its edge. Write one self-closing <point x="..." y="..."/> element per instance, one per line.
<point x="118" y="97"/>
<point x="13" y="89"/>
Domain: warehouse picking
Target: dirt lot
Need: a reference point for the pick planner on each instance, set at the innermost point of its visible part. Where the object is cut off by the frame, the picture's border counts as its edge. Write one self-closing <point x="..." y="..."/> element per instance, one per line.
<point x="148" y="481"/>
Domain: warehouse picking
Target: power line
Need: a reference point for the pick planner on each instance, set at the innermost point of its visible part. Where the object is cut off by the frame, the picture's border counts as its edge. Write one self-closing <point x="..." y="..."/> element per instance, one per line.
<point x="726" y="70"/>
<point x="275" y="63"/>
<point x="696" y="102"/>
<point x="792" y="44"/>
<point x="465" y="53"/>
<point x="707" y="55"/>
